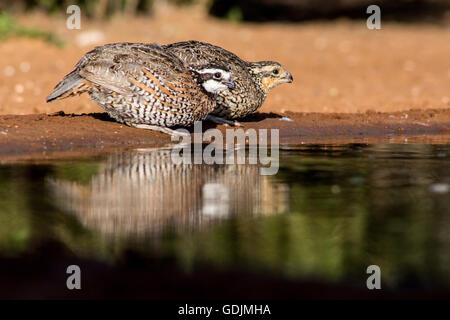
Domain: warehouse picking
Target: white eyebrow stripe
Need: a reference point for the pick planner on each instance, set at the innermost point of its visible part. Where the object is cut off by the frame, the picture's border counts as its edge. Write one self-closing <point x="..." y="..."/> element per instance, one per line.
<point x="211" y="70"/>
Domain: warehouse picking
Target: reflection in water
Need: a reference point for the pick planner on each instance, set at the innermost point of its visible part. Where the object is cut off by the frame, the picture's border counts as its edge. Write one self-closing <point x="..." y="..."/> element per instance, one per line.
<point x="329" y="212"/>
<point x="141" y="192"/>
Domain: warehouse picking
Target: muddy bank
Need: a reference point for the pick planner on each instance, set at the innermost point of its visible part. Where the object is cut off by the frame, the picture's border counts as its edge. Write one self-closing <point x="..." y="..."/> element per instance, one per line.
<point x="41" y="136"/>
<point x="49" y="135"/>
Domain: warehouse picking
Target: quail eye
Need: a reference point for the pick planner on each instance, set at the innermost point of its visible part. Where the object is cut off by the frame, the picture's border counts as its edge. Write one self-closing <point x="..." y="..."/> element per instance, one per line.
<point x="217" y="75"/>
<point x="275" y="71"/>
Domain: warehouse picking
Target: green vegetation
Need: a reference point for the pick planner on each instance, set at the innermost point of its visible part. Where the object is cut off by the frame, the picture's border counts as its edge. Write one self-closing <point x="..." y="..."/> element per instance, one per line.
<point x="97" y="9"/>
<point x="10" y="28"/>
<point x="235" y="14"/>
<point x="93" y="9"/>
<point x="14" y="214"/>
<point x="81" y="172"/>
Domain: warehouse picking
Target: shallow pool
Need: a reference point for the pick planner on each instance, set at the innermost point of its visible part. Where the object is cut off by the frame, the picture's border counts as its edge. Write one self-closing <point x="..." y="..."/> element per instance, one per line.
<point x="329" y="213"/>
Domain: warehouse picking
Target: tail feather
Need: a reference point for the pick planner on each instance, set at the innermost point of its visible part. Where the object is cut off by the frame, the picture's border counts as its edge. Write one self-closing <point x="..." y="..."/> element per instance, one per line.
<point x="64" y="87"/>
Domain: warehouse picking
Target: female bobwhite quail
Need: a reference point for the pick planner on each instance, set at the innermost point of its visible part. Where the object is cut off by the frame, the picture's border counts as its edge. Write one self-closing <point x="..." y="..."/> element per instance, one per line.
<point x="143" y="86"/>
<point x="253" y="79"/>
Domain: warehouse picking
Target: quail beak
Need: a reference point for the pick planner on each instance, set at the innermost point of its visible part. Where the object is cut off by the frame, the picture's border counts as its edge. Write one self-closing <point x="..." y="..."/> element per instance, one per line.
<point x="230" y="84"/>
<point x="288" y="77"/>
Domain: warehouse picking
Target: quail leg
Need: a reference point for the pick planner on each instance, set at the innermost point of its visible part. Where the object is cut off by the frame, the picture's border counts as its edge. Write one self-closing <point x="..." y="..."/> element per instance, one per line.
<point x="161" y="129"/>
<point x="220" y="120"/>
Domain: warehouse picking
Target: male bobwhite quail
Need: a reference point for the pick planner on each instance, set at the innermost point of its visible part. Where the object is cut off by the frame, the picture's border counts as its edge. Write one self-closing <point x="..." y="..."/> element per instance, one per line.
<point x="143" y="86"/>
<point x="253" y="79"/>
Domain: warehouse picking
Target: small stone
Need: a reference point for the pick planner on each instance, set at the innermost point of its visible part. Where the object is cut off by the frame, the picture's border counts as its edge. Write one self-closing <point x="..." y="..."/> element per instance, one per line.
<point x="25" y="66"/>
<point x="286" y="119"/>
<point x="9" y="71"/>
<point x="19" y="88"/>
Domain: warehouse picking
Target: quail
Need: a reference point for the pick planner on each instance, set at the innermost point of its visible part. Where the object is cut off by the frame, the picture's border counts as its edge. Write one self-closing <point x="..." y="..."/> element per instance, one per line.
<point x="144" y="192"/>
<point x="144" y="86"/>
<point x="253" y="80"/>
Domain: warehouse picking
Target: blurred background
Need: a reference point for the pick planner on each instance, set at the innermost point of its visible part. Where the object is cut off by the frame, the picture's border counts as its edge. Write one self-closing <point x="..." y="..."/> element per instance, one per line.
<point x="338" y="64"/>
<point x="330" y="211"/>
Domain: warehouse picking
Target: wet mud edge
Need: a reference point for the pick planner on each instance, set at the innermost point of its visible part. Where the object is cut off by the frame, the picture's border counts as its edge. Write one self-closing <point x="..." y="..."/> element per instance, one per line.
<point x="46" y="136"/>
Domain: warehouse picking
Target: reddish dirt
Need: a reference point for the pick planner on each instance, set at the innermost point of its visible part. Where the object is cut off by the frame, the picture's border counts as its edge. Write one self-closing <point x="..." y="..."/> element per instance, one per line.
<point x="337" y="66"/>
<point x="49" y="136"/>
<point x="344" y="73"/>
<point x="41" y="135"/>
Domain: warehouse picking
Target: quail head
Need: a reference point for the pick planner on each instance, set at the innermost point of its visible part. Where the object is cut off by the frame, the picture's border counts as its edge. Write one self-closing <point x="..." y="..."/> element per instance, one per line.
<point x="144" y="86"/>
<point x="253" y="80"/>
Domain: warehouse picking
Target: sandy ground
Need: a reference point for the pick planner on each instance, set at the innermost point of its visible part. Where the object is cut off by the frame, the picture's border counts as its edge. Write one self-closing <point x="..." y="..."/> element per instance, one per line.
<point x="338" y="67"/>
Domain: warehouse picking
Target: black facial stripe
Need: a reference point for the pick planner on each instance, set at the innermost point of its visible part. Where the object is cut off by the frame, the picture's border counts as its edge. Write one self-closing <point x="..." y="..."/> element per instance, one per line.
<point x="270" y="74"/>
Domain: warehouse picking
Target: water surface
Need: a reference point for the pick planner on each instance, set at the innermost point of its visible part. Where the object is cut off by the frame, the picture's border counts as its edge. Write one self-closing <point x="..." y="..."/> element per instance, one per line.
<point x="328" y="213"/>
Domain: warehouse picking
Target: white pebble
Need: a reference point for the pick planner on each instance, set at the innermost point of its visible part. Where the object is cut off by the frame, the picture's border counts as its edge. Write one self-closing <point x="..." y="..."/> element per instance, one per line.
<point x="19" y="88"/>
<point x="25" y="66"/>
<point x="9" y="71"/>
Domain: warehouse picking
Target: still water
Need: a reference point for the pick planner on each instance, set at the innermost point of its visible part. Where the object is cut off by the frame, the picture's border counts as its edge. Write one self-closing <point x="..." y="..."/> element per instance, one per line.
<point x="328" y="213"/>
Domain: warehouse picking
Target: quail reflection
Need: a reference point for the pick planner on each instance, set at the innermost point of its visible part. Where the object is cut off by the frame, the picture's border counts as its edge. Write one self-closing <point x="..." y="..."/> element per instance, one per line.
<point x="144" y="192"/>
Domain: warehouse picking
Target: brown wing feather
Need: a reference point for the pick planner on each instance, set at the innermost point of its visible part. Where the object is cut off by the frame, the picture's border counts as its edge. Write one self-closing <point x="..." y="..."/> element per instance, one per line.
<point x="113" y="65"/>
